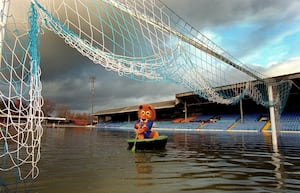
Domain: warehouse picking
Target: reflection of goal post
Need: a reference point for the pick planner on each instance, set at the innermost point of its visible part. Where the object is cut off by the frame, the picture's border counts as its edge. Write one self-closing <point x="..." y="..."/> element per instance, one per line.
<point x="140" y="39"/>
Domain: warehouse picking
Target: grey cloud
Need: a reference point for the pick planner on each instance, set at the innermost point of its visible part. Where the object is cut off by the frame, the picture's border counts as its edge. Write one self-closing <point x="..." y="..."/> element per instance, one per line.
<point x="66" y="80"/>
<point x="267" y="15"/>
<point x="65" y="73"/>
<point x="212" y="13"/>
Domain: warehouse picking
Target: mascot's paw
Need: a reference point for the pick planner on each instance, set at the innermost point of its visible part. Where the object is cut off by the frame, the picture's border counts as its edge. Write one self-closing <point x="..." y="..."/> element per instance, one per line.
<point x="145" y="128"/>
<point x="137" y="126"/>
<point x="139" y="131"/>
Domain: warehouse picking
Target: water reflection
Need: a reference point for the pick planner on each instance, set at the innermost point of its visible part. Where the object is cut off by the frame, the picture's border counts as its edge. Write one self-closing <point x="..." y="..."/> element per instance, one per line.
<point x="90" y="160"/>
<point x="143" y="163"/>
<point x="233" y="162"/>
<point x="278" y="170"/>
<point x="10" y="183"/>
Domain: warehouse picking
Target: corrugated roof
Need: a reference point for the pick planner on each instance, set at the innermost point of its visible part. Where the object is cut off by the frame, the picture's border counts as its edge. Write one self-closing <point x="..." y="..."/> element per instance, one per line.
<point x="158" y="105"/>
<point x="172" y="103"/>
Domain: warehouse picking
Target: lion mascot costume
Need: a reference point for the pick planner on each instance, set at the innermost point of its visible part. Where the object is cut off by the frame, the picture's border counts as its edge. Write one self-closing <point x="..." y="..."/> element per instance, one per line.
<point x="146" y="115"/>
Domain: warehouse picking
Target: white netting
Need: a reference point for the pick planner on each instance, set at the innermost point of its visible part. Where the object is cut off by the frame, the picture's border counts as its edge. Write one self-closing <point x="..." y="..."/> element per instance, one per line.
<point x="144" y="40"/>
<point x="20" y="99"/>
<point x="140" y="39"/>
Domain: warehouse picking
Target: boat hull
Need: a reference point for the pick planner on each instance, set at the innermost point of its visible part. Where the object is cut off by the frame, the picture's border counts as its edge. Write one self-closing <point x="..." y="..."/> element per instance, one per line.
<point x="149" y="144"/>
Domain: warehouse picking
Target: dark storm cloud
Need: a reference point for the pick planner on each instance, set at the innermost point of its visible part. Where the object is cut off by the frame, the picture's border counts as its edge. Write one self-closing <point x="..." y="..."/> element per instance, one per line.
<point x="215" y="15"/>
<point x="66" y="73"/>
<point x="212" y="13"/>
<point x="66" y="80"/>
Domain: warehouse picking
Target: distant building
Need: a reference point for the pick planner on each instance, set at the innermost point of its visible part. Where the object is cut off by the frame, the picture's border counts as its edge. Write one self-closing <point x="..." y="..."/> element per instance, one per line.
<point x="188" y="104"/>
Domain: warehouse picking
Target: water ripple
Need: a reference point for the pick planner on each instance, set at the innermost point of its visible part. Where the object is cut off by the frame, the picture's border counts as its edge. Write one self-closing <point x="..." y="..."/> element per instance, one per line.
<point x="90" y="161"/>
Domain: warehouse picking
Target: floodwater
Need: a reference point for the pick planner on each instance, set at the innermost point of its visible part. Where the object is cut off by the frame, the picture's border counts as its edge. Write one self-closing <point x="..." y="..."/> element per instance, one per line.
<point x="97" y="161"/>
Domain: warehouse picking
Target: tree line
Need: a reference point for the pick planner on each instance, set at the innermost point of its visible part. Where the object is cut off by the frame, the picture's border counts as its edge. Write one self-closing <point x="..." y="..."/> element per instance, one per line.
<point x="49" y="109"/>
<point x="62" y="110"/>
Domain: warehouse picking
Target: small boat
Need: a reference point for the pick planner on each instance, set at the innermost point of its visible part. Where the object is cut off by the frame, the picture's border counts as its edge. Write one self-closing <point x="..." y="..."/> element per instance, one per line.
<point x="148" y="144"/>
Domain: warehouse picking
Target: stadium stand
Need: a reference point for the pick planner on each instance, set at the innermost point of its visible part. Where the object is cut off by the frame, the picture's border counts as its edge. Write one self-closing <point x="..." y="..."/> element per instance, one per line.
<point x="250" y="122"/>
<point x="290" y="121"/>
<point x="223" y="123"/>
<point x="205" y="115"/>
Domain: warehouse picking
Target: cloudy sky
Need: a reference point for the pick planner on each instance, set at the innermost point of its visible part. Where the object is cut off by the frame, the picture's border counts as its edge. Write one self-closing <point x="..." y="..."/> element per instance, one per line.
<point x="264" y="34"/>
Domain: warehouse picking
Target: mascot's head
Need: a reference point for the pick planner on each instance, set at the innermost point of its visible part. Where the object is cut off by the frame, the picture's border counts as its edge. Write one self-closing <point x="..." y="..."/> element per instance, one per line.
<point x="146" y="112"/>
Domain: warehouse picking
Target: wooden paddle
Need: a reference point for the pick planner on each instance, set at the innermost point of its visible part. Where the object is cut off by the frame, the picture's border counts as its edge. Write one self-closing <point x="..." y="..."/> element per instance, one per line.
<point x="133" y="147"/>
<point x="136" y="137"/>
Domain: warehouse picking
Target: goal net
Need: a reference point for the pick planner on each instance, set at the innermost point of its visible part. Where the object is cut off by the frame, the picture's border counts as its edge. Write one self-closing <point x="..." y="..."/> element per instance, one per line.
<point x="20" y="96"/>
<point x="140" y="39"/>
<point x="144" y="40"/>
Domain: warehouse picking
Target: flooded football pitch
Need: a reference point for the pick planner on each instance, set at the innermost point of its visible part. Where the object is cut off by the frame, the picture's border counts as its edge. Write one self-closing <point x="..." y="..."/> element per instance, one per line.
<point x="97" y="161"/>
